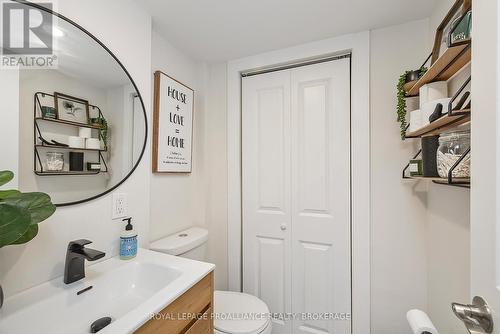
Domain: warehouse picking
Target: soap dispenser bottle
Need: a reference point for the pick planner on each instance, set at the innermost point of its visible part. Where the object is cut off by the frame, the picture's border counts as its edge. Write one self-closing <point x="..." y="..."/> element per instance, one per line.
<point x="128" y="241"/>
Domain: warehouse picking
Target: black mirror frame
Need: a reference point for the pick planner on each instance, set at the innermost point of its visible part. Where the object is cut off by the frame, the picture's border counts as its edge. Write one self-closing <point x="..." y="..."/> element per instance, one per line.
<point x="37" y="6"/>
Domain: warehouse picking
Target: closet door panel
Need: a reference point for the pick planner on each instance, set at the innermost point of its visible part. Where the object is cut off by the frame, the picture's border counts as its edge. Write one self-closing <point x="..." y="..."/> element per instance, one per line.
<point x="266" y="192"/>
<point x="296" y="195"/>
<point x="320" y="186"/>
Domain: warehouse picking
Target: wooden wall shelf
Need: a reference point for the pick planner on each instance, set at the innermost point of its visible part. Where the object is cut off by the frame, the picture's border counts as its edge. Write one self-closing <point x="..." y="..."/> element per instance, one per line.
<point x="68" y="173"/>
<point x="444" y="124"/>
<point x="55" y="147"/>
<point x="80" y="125"/>
<point x="38" y="141"/>
<point x="457" y="182"/>
<point x="452" y="61"/>
<point x="461" y="182"/>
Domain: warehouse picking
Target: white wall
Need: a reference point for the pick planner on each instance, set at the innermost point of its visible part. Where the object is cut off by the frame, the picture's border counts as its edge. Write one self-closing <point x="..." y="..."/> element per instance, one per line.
<point x="177" y="199"/>
<point x="216" y="172"/>
<point x="448" y="242"/>
<point x="420" y="232"/>
<point x="128" y="35"/>
<point x="399" y="217"/>
<point x="122" y="122"/>
<point x="485" y="194"/>
<point x="448" y="232"/>
<point x="9" y="127"/>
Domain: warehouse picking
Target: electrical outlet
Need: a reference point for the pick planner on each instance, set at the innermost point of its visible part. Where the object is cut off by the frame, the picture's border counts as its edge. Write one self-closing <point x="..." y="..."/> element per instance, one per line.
<point x="120" y="207"/>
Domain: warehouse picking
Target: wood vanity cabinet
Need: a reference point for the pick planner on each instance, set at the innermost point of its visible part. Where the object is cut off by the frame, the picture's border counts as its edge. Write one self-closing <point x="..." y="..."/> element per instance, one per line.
<point x="191" y="313"/>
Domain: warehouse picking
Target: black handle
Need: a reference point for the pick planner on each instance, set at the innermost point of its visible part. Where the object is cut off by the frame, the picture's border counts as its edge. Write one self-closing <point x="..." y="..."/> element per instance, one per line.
<point x="78" y="244"/>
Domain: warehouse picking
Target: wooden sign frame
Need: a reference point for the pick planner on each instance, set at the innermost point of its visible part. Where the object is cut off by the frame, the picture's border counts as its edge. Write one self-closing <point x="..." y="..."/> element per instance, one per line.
<point x="171" y="167"/>
<point x="461" y="6"/>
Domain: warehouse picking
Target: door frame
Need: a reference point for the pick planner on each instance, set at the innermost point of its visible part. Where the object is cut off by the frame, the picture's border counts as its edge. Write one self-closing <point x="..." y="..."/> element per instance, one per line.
<point x="359" y="46"/>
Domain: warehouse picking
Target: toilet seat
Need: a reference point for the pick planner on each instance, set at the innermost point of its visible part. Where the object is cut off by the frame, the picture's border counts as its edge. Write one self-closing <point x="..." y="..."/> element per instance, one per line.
<point x="240" y="313"/>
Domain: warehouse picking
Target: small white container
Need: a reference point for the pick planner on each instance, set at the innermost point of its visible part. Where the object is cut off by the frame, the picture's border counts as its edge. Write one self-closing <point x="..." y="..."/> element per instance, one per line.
<point x="76" y="142"/>
<point x="412" y="103"/>
<point x="433" y="91"/>
<point x="93" y="143"/>
<point x="85" y="132"/>
<point x="415" y="120"/>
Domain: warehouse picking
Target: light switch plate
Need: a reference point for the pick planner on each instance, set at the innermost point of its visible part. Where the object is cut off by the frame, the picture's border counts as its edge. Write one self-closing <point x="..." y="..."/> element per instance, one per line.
<point x="120" y="206"/>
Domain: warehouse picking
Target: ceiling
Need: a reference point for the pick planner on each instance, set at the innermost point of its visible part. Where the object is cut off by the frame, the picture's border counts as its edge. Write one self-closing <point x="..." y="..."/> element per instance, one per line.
<point x="78" y="55"/>
<point x="221" y="30"/>
<point x="82" y="58"/>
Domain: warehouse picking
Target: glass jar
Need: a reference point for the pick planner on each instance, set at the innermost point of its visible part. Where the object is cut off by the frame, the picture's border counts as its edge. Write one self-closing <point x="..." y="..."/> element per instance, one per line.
<point x="55" y="161"/>
<point x="451" y="148"/>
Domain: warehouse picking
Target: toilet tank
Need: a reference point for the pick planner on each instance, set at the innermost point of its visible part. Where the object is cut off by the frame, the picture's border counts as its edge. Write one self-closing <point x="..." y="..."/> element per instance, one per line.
<point x="190" y="243"/>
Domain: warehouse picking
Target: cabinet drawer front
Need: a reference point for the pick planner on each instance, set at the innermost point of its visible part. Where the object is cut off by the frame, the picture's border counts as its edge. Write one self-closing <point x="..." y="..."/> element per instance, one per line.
<point x="203" y="325"/>
<point x="179" y="315"/>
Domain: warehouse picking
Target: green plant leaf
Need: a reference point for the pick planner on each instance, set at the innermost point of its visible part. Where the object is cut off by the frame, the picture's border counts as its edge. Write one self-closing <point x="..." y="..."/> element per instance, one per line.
<point x="5" y="177"/>
<point x="9" y="193"/>
<point x="30" y="233"/>
<point x="38" y="205"/>
<point x="20" y="213"/>
<point x="14" y="222"/>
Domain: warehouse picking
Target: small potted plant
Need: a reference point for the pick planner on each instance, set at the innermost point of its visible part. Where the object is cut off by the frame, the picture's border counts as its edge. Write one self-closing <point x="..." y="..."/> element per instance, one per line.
<point x="103" y="125"/>
<point x="407" y="78"/>
<point x="20" y="214"/>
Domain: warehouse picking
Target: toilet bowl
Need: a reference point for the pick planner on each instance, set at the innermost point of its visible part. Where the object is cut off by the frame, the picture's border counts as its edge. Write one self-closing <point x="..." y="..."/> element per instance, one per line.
<point x="234" y="312"/>
<point x="240" y="313"/>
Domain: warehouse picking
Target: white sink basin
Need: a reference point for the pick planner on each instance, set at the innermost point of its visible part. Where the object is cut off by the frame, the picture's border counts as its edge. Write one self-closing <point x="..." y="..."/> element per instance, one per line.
<point x="129" y="292"/>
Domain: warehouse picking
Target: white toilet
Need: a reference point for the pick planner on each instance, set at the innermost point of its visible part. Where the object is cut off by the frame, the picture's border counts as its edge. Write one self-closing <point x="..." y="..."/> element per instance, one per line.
<point x="191" y="244"/>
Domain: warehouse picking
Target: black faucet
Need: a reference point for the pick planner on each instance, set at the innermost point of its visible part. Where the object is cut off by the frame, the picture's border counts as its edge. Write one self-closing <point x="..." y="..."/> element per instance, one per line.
<point x="76" y="255"/>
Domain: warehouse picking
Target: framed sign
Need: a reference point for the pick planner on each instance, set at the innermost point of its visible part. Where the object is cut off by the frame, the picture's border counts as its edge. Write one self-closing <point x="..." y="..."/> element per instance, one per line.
<point x="71" y="109"/>
<point x="443" y="32"/>
<point x="172" y="125"/>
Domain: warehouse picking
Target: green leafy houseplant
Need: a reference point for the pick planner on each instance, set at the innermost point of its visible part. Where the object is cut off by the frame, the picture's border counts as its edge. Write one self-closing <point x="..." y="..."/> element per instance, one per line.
<point x="401" y="105"/>
<point x="20" y="213"/>
<point x="103" y="124"/>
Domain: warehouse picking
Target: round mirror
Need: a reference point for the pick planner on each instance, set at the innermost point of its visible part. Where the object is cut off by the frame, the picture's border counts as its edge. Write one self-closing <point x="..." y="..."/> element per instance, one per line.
<point x="82" y="127"/>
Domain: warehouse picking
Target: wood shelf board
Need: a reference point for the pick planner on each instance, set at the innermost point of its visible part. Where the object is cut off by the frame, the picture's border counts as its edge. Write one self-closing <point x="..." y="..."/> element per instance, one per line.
<point x="55" y="147"/>
<point x="457" y="182"/>
<point x="463" y="184"/>
<point x="452" y="61"/>
<point x="440" y="179"/>
<point x="68" y="123"/>
<point x="66" y="173"/>
<point x="407" y="86"/>
<point x="443" y="124"/>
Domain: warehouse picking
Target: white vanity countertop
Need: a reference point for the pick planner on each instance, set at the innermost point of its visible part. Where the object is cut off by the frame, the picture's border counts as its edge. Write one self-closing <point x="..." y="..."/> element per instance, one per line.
<point x="129" y="292"/>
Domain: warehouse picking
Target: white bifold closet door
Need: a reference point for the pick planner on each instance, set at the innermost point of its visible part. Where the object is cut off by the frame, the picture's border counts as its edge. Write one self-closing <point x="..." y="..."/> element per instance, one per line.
<point x="296" y="195"/>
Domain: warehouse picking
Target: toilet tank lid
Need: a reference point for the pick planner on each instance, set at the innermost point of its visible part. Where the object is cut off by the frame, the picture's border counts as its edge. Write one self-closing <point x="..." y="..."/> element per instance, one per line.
<point x="181" y="242"/>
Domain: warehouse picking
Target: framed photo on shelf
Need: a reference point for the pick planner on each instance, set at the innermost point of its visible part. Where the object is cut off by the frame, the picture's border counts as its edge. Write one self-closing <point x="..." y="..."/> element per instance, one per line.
<point x="172" y="125"/>
<point x="71" y="109"/>
<point x="443" y="33"/>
